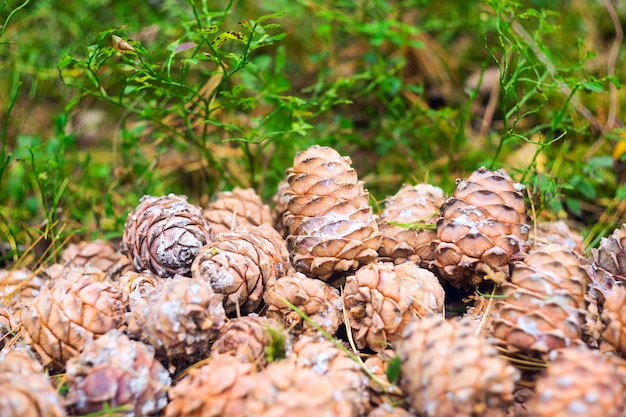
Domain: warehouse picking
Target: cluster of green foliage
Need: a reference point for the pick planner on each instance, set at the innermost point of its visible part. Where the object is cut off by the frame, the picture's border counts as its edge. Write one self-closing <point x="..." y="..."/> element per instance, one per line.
<point x="198" y="96"/>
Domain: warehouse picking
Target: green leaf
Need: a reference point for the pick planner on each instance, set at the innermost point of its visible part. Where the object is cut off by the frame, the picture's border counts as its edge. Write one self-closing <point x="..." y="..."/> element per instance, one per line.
<point x="620" y="193"/>
<point x="593" y="86"/>
<point x="209" y="30"/>
<point x="393" y="370"/>
<point x="270" y="16"/>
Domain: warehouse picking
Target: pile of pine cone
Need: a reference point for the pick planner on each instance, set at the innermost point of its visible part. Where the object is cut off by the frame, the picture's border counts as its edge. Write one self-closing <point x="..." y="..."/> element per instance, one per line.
<point x="445" y="307"/>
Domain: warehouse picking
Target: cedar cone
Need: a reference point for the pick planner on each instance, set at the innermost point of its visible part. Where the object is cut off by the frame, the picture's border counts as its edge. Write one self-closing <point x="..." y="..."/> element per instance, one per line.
<point x="449" y="371"/>
<point x="65" y="314"/>
<point x="318" y="300"/>
<point x="482" y="226"/>
<point x="7" y="327"/>
<point x="165" y="234"/>
<point x="99" y="253"/>
<point x="579" y="382"/>
<point x="19" y="359"/>
<point x="241" y="264"/>
<point x="180" y="318"/>
<point x="281" y="201"/>
<point x="217" y="389"/>
<point x="116" y="371"/>
<point x="233" y="208"/>
<point x="380" y="389"/>
<point x="411" y="206"/>
<point x="18" y="288"/>
<point x="614" y="315"/>
<point x="609" y="258"/>
<point x="381" y="298"/>
<point x="544" y="305"/>
<point x="387" y="410"/>
<point x="559" y="232"/>
<point x="330" y="223"/>
<point x="29" y="395"/>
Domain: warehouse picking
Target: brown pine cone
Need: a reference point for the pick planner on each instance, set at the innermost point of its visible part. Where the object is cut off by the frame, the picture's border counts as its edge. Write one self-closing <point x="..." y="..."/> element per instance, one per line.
<point x="380" y="389"/>
<point x="7" y="327"/>
<point x="411" y="206"/>
<point x="249" y="339"/>
<point x="18" y="288"/>
<point x="614" y="315"/>
<point x="579" y="382"/>
<point x="558" y="232"/>
<point x="99" y="253"/>
<point x="387" y="410"/>
<point x="241" y="264"/>
<point x="116" y="371"/>
<point x="135" y="285"/>
<point x="179" y="319"/>
<point x="449" y="371"/>
<point x="544" y="305"/>
<point x="165" y="234"/>
<point x="217" y="389"/>
<point x="330" y="223"/>
<point x="281" y="200"/>
<point x="64" y="315"/>
<point x="236" y="207"/>
<point x="318" y="300"/>
<point x="610" y="257"/>
<point x="29" y="395"/>
<point x="381" y="299"/>
<point x="483" y="225"/>
<point x="19" y="359"/>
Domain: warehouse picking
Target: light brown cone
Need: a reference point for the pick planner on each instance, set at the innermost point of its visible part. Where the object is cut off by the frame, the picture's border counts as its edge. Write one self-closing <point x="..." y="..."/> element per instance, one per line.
<point x="18" y="288"/>
<point x="328" y="218"/>
<point x="136" y="285"/>
<point x="240" y="264"/>
<point x="117" y="371"/>
<point x="249" y="339"/>
<point x="614" y="315"/>
<point x="284" y="389"/>
<point x="610" y="256"/>
<point x="62" y="317"/>
<point x="315" y="298"/>
<point x="412" y="207"/>
<point x="281" y="200"/>
<point x="165" y="234"/>
<point x="29" y="395"/>
<point x="483" y="225"/>
<point x="579" y="382"/>
<point x="237" y="207"/>
<point x="380" y="389"/>
<point x="382" y="298"/>
<point x="449" y="371"/>
<point x="99" y="253"/>
<point x="558" y="232"/>
<point x="544" y="305"/>
<point x="387" y="410"/>
<point x="7" y="327"/>
<point x="179" y="319"/>
<point x="217" y="389"/>
<point x="19" y="359"/>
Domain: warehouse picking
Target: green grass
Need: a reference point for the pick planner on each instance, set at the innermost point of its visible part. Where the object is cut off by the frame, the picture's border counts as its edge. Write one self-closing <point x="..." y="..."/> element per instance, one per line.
<point x="216" y="95"/>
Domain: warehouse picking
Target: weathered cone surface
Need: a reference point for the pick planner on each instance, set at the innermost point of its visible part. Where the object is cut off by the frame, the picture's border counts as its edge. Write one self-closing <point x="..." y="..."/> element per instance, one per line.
<point x="449" y="371"/>
<point x="18" y="359"/>
<point x="217" y="389"/>
<point x="29" y="395"/>
<point x="579" y="382"/>
<point x="382" y="298"/>
<point x="317" y="299"/>
<point x="284" y="389"/>
<point x="117" y="371"/>
<point x="165" y="234"/>
<point x="236" y="207"/>
<point x="482" y="226"/>
<point x="386" y="410"/>
<point x="249" y="339"/>
<point x="241" y="264"/>
<point x="99" y="253"/>
<point x="180" y="318"/>
<point x="135" y="285"/>
<point x="380" y="390"/>
<point x="7" y="326"/>
<point x="610" y="257"/>
<point x="330" y="225"/>
<point x="411" y="206"/>
<point x="63" y="316"/>
<point x="614" y="315"/>
<point x="559" y="232"/>
<point x="18" y="288"/>
<point x="544" y="305"/>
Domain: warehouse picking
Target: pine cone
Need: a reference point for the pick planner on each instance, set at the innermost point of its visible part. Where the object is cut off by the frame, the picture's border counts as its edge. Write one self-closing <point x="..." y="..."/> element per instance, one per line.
<point x="135" y="285"/>
<point x="18" y="288"/>
<point x="559" y="232"/>
<point x="249" y="339"/>
<point x="241" y="264"/>
<point x="610" y="257"/>
<point x="544" y="305"/>
<point x="165" y="234"/>
<point x="29" y="395"/>
<point x="18" y="359"/>
<point x="180" y="317"/>
<point x="99" y="253"/>
<point x="233" y="208"/>
<point x="330" y="223"/>
<point x="614" y="315"/>
<point x="411" y="206"/>
<point x="281" y="201"/>
<point x="482" y="226"/>
<point x="217" y="389"/>
<point x="7" y="326"/>
<point x="318" y="300"/>
<point x="381" y="299"/>
<point x="449" y="371"/>
<point x="386" y="410"/>
<point x="579" y="382"/>
<point x="116" y="371"/>
<point x="63" y="316"/>
<point x="380" y="389"/>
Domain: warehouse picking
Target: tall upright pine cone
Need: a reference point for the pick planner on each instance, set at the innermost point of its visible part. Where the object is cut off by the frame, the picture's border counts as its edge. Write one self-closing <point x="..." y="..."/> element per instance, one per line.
<point x="241" y="264"/>
<point x="482" y="226"/>
<point x="330" y="223"/>
<point x="116" y="371"/>
<point x="317" y="299"/>
<point x="449" y="371"/>
<point x="29" y="395"/>
<point x="411" y="206"/>
<point x="382" y="298"/>
<point x="545" y="300"/>
<point x="99" y="253"/>
<point x="164" y="235"/>
<point x="579" y="382"/>
<point x="63" y="316"/>
<point x="236" y="207"/>
<point x="180" y="317"/>
<point x="614" y="316"/>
